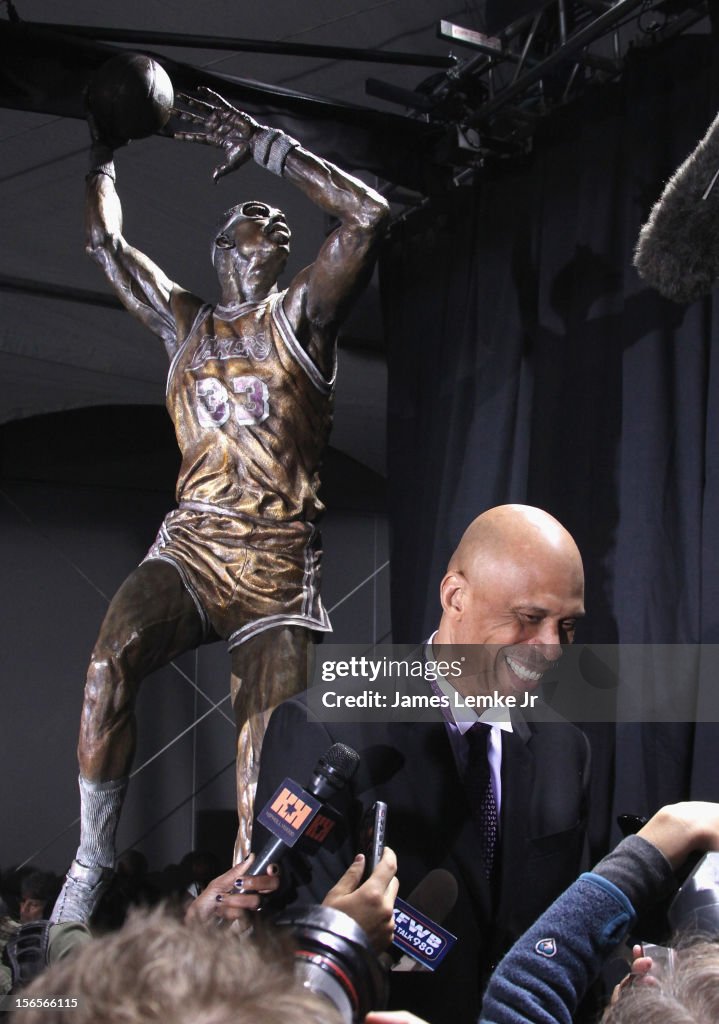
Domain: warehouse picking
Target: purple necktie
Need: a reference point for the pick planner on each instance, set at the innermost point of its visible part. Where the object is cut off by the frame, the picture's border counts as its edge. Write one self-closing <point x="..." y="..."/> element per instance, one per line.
<point x="480" y="792"/>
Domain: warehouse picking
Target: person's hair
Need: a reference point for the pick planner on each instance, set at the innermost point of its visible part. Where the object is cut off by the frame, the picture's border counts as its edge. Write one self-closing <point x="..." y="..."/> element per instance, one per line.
<point x="686" y="992"/>
<point x="157" y="968"/>
<point x="38" y="885"/>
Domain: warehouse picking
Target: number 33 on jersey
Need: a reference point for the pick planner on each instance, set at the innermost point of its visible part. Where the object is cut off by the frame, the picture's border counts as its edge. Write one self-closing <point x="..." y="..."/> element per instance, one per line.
<point x="251" y="411"/>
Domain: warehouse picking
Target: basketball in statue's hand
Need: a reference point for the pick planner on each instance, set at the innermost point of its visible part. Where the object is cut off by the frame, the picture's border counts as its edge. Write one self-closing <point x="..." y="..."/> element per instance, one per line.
<point x="130" y="96"/>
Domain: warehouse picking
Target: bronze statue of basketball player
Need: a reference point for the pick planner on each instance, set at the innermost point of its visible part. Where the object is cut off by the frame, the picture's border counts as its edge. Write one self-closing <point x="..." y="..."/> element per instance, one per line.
<point x="249" y="390"/>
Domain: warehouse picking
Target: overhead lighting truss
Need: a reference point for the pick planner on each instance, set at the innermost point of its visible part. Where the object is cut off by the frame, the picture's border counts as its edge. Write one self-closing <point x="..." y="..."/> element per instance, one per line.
<point x="496" y="98"/>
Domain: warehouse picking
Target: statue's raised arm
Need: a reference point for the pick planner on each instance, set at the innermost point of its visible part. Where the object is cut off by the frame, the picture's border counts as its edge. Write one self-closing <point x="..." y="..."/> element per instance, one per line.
<point x="321" y="295"/>
<point x="142" y="287"/>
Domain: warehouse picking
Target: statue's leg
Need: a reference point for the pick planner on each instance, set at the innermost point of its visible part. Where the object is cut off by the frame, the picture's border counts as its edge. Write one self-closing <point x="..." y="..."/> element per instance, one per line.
<point x="151" y="620"/>
<point x="266" y="669"/>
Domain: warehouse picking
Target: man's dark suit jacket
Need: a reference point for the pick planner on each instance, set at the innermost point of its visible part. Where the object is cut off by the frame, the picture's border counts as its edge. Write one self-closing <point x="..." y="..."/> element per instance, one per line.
<point x="410" y="765"/>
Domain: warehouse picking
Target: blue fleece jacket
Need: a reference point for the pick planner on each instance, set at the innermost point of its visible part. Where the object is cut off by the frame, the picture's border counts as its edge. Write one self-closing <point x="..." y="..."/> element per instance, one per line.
<point x="548" y="970"/>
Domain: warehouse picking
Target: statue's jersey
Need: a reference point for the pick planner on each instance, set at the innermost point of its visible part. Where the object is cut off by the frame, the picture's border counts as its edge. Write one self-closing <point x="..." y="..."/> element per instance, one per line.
<point x="252" y="414"/>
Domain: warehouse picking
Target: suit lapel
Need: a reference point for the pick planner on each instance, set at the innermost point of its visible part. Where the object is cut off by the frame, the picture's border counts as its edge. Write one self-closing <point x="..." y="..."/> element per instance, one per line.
<point x="439" y="791"/>
<point x="429" y="769"/>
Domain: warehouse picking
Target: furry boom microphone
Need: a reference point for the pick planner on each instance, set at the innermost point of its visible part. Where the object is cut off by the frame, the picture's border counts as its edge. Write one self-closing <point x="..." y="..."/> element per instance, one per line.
<point x="678" y="248"/>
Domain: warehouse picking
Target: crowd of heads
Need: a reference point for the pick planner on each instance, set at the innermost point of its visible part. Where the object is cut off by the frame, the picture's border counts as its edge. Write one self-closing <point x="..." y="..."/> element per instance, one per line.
<point x="29" y="893"/>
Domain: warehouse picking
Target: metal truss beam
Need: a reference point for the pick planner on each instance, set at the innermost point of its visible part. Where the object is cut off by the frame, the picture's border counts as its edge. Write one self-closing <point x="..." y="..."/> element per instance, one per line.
<point x="496" y="98"/>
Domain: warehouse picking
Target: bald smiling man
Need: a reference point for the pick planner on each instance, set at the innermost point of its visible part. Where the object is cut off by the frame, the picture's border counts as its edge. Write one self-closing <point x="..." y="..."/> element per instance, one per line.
<point x="507" y="822"/>
<point x="515" y="586"/>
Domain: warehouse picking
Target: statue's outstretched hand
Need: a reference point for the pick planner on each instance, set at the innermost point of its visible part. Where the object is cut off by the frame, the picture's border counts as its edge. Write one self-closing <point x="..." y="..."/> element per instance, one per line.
<point x="217" y="123"/>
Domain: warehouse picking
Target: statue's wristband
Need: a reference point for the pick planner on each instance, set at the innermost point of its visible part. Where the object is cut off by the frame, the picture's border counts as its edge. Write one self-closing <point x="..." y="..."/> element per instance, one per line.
<point x="101" y="161"/>
<point x="270" y="147"/>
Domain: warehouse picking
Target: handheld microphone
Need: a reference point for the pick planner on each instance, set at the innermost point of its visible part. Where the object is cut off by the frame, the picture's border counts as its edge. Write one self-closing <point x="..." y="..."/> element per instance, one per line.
<point x="436" y="894"/>
<point x="332" y="772"/>
<point x="435" y="897"/>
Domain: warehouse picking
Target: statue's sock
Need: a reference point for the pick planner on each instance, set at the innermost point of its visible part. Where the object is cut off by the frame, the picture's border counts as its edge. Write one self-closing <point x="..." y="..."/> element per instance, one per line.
<point x="100" y="806"/>
<point x="91" y="871"/>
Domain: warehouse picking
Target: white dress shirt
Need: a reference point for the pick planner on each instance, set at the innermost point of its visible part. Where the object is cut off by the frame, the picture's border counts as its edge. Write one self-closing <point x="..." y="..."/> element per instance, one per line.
<point x="458" y="721"/>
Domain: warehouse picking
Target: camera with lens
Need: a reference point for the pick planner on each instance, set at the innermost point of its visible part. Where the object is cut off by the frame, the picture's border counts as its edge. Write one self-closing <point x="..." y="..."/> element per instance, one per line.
<point x="695" y="908"/>
<point x="693" y="911"/>
<point x="334" y="959"/>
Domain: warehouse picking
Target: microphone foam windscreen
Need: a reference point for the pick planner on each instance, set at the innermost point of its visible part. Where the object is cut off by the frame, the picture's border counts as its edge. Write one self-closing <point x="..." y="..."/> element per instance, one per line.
<point x="435" y="895"/>
<point x="678" y="248"/>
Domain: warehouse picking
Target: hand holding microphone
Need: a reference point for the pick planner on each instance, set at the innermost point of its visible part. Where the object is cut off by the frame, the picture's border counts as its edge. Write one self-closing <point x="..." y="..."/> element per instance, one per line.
<point x="231" y="895"/>
<point x="289" y="813"/>
<point x="238" y="890"/>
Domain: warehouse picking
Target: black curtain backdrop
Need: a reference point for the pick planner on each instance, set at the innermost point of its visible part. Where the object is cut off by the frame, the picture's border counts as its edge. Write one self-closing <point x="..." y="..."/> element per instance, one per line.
<point x="529" y="363"/>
